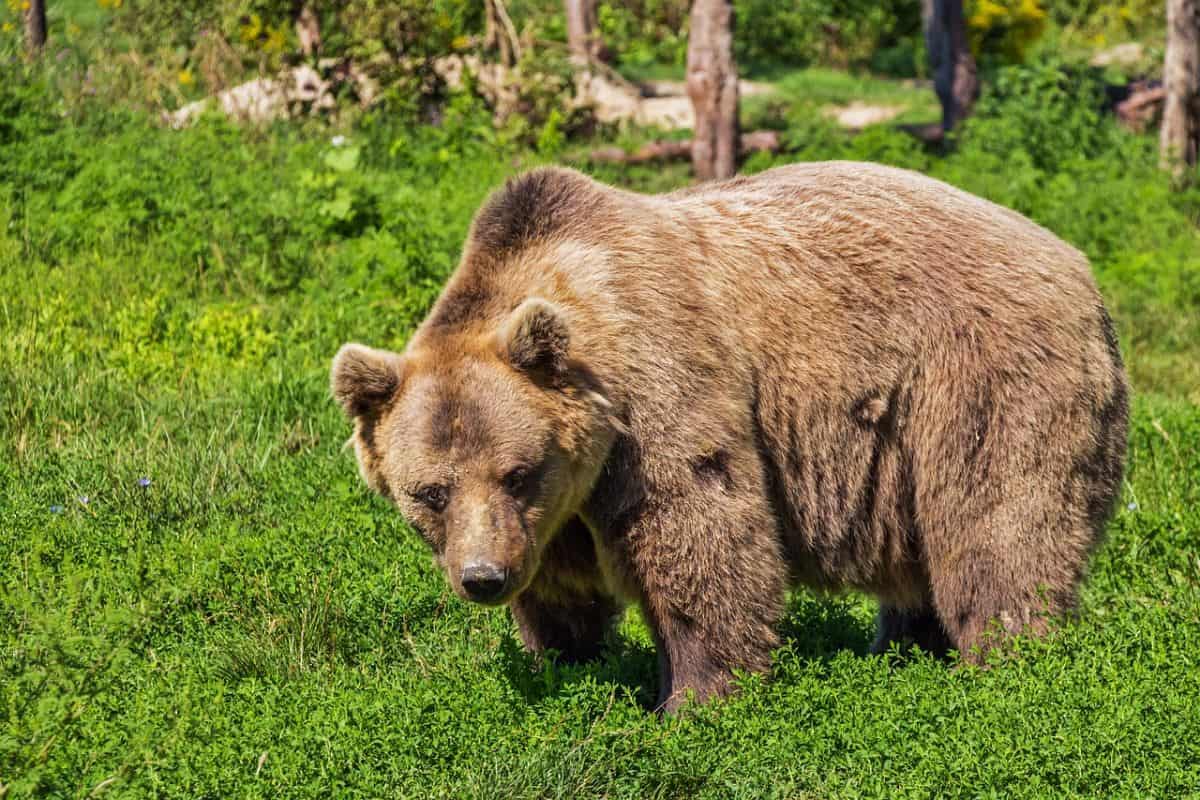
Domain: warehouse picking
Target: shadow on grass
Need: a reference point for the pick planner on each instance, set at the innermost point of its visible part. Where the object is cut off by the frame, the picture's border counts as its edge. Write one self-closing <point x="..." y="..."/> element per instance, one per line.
<point x="627" y="665"/>
<point x="817" y="627"/>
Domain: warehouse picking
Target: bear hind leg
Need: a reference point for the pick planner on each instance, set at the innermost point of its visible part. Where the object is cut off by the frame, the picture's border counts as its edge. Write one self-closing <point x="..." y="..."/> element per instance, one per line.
<point x="988" y="598"/>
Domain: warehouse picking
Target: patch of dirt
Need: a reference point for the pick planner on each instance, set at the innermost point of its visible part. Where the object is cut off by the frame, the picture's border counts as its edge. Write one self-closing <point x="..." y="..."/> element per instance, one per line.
<point x="859" y="115"/>
<point x="659" y="104"/>
<point x="1129" y="54"/>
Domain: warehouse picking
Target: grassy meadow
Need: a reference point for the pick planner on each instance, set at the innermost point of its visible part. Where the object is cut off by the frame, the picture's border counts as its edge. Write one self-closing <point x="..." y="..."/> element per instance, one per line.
<point x="199" y="598"/>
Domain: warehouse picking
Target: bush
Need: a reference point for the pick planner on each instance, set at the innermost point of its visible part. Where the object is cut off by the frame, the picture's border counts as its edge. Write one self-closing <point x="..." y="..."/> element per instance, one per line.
<point x="1099" y="22"/>
<point x="1004" y="30"/>
<point x="837" y="33"/>
<point x="1046" y="113"/>
<point x="841" y="33"/>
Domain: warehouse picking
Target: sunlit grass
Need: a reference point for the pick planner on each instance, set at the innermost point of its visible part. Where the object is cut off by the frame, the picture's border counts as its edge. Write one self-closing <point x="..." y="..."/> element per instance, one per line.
<point x="253" y="623"/>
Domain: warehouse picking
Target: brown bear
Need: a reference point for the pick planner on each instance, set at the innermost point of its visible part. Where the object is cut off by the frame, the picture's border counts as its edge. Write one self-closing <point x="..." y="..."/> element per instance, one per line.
<point x="832" y="374"/>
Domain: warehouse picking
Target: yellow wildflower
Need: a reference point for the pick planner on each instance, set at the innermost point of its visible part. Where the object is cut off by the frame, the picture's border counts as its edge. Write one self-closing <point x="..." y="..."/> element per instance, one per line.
<point x="186" y="78"/>
<point x="252" y="29"/>
<point x="7" y="27"/>
<point x="276" y="40"/>
<point x="1031" y="11"/>
<point x="1006" y="27"/>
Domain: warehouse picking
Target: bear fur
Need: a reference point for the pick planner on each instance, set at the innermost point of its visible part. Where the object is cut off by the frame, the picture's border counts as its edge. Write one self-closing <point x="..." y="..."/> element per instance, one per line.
<point x="836" y="375"/>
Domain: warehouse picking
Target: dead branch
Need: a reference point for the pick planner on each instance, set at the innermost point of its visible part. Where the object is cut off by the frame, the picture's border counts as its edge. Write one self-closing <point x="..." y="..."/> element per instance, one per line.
<point x="663" y="150"/>
<point x="500" y="32"/>
<point x="1138" y="110"/>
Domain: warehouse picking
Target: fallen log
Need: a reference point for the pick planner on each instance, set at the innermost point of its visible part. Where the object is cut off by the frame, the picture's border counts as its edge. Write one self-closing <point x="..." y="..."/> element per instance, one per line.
<point x="748" y="143"/>
<point x="1141" y="108"/>
<point x="290" y="93"/>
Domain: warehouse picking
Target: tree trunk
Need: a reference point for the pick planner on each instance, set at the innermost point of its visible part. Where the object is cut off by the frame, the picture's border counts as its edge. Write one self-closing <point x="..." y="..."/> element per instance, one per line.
<point x="308" y="28"/>
<point x="499" y="32"/>
<point x="713" y="88"/>
<point x="1181" y="79"/>
<point x="35" y="25"/>
<point x="950" y="58"/>
<point x="583" y="35"/>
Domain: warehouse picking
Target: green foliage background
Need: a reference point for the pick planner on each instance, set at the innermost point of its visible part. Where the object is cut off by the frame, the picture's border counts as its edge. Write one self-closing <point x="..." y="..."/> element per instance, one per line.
<point x="162" y="53"/>
<point x="254" y="623"/>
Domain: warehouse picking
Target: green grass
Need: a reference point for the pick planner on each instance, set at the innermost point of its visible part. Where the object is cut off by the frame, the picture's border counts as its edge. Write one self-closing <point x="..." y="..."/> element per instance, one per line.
<point x="809" y="90"/>
<point x="823" y="85"/>
<point x="254" y="623"/>
<point x="812" y="90"/>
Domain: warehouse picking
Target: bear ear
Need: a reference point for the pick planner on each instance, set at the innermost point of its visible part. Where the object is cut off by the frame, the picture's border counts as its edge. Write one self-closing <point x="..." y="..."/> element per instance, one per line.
<point x="535" y="338"/>
<point x="363" y="378"/>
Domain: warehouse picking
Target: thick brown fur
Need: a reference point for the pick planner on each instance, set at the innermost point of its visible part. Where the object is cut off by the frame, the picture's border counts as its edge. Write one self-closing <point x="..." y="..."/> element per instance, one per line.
<point x="834" y="374"/>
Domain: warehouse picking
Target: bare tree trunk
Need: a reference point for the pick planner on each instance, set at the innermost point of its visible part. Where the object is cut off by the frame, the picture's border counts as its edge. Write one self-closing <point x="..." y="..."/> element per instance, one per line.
<point x="499" y="32"/>
<point x="583" y="34"/>
<point x="1181" y="79"/>
<point x="954" y="75"/>
<point x="713" y="88"/>
<point x="35" y="25"/>
<point x="308" y="28"/>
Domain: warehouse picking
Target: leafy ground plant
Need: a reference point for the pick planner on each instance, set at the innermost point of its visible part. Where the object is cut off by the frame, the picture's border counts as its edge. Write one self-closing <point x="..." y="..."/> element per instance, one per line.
<point x="199" y="599"/>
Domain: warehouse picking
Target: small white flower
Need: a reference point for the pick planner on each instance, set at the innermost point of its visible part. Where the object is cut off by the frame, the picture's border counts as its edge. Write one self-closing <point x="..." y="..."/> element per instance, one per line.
<point x="1132" y="506"/>
<point x="338" y="140"/>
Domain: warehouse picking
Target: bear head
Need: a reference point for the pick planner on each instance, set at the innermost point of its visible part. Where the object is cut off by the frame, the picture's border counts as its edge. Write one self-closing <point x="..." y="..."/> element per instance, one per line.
<point x="487" y="441"/>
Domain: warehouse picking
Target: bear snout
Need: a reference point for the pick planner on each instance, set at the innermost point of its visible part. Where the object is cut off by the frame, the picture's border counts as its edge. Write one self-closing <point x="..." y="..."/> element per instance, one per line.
<point x="484" y="582"/>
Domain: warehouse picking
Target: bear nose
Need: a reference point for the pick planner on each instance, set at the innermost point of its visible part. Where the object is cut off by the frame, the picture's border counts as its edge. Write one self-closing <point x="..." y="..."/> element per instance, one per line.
<point x="483" y="581"/>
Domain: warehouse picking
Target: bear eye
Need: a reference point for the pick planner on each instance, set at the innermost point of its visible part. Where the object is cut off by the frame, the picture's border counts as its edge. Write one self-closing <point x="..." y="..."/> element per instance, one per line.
<point x="434" y="497"/>
<point x="516" y="480"/>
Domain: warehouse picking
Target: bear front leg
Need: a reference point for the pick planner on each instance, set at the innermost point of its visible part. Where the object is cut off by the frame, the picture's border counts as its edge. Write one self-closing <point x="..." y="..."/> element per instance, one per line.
<point x="692" y="667"/>
<point x="567" y="608"/>
<point x="712" y="578"/>
<point x="574" y="626"/>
